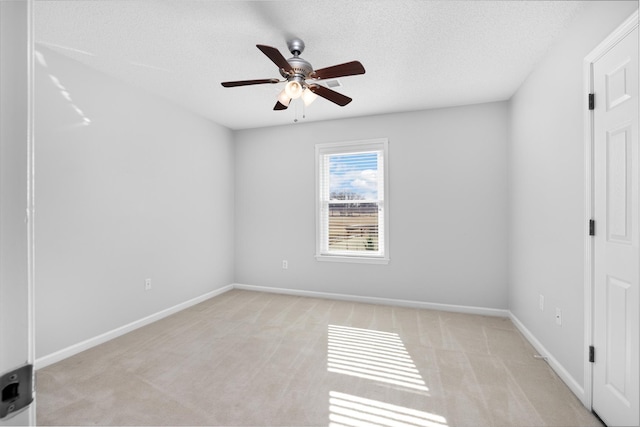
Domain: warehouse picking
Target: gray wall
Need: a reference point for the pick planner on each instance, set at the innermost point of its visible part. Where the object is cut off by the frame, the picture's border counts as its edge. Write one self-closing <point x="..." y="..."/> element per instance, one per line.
<point x="546" y="192"/>
<point x="448" y="207"/>
<point x="144" y="190"/>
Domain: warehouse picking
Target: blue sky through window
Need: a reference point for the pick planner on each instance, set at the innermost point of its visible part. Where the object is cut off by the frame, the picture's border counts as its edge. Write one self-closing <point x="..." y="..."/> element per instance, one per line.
<point x="354" y="173"/>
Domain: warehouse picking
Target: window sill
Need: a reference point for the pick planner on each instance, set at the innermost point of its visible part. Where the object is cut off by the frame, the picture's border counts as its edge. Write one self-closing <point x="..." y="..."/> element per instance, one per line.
<point x="352" y="259"/>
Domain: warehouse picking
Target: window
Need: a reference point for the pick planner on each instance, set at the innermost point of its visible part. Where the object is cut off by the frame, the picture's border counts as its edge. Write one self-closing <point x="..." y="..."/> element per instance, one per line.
<point x="352" y="208"/>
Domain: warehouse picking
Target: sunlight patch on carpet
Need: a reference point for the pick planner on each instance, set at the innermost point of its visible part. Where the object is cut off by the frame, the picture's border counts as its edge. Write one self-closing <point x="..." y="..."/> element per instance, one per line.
<point x="374" y="355"/>
<point x="346" y="410"/>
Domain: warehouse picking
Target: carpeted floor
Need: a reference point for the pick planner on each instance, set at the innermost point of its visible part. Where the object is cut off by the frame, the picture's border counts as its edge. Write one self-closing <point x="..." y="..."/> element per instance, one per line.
<point x="257" y="359"/>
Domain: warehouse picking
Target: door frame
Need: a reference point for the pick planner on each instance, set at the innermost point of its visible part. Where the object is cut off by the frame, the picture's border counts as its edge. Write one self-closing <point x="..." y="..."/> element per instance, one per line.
<point x="29" y="415"/>
<point x="31" y="266"/>
<point x="614" y="38"/>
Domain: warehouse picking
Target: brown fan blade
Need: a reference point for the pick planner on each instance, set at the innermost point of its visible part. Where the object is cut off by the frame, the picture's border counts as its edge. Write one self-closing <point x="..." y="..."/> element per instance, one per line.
<point x="279" y="106"/>
<point x="249" y="82"/>
<point x="347" y="69"/>
<point x="274" y="55"/>
<point x="331" y="95"/>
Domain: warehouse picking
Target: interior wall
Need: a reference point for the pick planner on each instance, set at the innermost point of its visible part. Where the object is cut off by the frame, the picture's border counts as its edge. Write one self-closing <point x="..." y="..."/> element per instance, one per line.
<point x="448" y="207"/>
<point x="546" y="175"/>
<point x="128" y="187"/>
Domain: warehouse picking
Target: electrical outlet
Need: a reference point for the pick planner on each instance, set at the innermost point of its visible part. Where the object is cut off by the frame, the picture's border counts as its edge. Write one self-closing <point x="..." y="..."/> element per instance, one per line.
<point x="285" y="264"/>
<point x="558" y="317"/>
<point x="541" y="302"/>
<point x="147" y="284"/>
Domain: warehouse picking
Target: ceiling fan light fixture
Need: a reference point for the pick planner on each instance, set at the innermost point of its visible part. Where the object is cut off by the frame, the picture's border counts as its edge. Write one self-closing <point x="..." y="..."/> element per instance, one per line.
<point x="308" y="97"/>
<point x="283" y="98"/>
<point x="293" y="89"/>
<point x="296" y="71"/>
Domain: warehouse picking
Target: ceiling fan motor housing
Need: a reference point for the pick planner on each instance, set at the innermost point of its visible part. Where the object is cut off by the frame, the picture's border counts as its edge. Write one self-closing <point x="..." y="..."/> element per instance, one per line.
<point x="301" y="68"/>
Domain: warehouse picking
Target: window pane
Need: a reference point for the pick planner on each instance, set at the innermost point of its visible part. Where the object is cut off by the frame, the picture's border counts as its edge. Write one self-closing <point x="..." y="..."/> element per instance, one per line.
<point x="353" y="176"/>
<point x="353" y="207"/>
<point x="353" y="226"/>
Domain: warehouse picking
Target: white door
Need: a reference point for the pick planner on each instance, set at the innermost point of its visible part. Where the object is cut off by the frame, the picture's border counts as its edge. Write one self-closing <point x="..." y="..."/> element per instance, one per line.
<point x="16" y="345"/>
<point x="616" y="265"/>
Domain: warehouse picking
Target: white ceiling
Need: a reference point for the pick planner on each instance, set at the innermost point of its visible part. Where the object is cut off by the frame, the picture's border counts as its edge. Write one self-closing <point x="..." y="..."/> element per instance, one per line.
<point x="417" y="54"/>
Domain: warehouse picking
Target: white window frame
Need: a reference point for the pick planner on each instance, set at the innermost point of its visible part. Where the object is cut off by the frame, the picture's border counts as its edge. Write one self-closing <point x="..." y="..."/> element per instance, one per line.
<point x="322" y="254"/>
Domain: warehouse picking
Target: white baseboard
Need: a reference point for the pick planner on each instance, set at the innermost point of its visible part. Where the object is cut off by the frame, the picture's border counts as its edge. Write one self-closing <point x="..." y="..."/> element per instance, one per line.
<point x="564" y="375"/>
<point x="374" y="300"/>
<point x="573" y="385"/>
<point x="92" y="342"/>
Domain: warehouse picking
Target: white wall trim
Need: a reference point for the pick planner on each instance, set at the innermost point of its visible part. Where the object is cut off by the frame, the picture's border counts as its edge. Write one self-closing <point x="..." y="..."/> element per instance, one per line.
<point x="97" y="340"/>
<point x="607" y="44"/>
<point x="381" y="301"/>
<point x="31" y="266"/>
<point x="74" y="349"/>
<point x="588" y="241"/>
<point x="564" y="375"/>
<point x="573" y="385"/>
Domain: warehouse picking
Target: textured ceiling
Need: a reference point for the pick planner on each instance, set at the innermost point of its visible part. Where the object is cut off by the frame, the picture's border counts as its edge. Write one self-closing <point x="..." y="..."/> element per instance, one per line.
<point x="417" y="54"/>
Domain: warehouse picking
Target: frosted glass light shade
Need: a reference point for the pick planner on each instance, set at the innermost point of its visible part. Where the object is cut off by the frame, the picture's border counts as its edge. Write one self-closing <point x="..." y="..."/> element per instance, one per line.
<point x="308" y="97"/>
<point x="293" y="89"/>
<point x="283" y="98"/>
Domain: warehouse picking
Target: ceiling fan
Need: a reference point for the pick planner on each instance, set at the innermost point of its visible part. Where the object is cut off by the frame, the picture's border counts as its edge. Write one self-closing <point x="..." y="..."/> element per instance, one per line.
<point x="300" y="76"/>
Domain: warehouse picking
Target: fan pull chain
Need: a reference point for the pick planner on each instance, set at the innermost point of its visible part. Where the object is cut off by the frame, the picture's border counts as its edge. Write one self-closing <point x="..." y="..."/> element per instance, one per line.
<point x="295" y="106"/>
<point x="304" y="112"/>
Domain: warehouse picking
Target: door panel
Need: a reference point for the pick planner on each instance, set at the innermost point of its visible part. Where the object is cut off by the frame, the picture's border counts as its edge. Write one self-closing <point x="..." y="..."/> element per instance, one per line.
<point x="617" y="367"/>
<point x="619" y="186"/>
<point x="616" y="320"/>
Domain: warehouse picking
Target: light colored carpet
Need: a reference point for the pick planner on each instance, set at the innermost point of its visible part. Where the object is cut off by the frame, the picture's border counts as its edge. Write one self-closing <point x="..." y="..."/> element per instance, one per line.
<point x="248" y="358"/>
